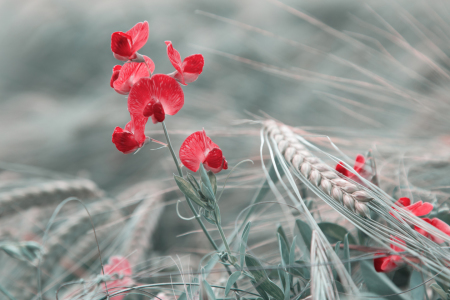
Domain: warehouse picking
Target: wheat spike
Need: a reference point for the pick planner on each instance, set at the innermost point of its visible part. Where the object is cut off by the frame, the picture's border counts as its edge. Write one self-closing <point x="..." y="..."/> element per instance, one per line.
<point x="347" y="193"/>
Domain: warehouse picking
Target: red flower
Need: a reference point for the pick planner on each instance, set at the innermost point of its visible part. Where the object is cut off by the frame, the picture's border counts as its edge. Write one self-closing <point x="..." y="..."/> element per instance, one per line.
<point x="391" y="262"/>
<point x="199" y="149"/>
<point x="124" y="77"/>
<point x="155" y="97"/>
<point x="439" y="224"/>
<point x="125" y="45"/>
<point x="132" y="137"/>
<point x="118" y="265"/>
<point x="419" y="209"/>
<point x="359" y="168"/>
<point x="188" y="70"/>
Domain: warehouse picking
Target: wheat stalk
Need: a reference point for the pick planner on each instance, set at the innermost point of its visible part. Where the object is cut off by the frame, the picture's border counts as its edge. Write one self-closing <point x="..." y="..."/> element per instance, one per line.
<point x="47" y="193"/>
<point x="347" y="193"/>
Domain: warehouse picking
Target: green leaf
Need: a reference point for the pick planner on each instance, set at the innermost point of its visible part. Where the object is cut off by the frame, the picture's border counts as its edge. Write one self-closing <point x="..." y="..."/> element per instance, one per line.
<point x="280" y="230"/>
<point x="244" y="243"/>
<point x="306" y="233"/>
<point x="193" y="181"/>
<point x="416" y="283"/>
<point x="347" y="263"/>
<point x="260" y="290"/>
<point x="213" y="181"/>
<point x="187" y="189"/>
<point x="205" y="179"/>
<point x="207" y="192"/>
<point x="281" y="276"/>
<point x="232" y="280"/>
<point x="292" y="252"/>
<point x="335" y="233"/>
<point x="209" y="292"/>
<point x="337" y="248"/>
<point x="379" y="283"/>
<point x="439" y="290"/>
<point x="261" y="278"/>
<point x="284" y="252"/>
<point x="300" y="271"/>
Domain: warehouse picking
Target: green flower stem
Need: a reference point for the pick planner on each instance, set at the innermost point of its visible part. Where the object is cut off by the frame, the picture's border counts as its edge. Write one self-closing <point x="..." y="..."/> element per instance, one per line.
<point x="194" y="211"/>
<point x="191" y="206"/>
<point x="224" y="239"/>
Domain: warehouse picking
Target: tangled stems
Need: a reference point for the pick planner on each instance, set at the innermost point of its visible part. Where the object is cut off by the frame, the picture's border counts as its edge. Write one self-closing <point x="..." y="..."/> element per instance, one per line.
<point x="194" y="211"/>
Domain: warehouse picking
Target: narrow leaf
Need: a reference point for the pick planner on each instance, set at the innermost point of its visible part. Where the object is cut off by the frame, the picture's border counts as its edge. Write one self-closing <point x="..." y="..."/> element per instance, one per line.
<point x="208" y="290"/>
<point x="232" y="280"/>
<point x="244" y="243"/>
<point x="205" y="179"/>
<point x="306" y="234"/>
<point x="439" y="290"/>
<point x="347" y="263"/>
<point x="284" y="252"/>
<point x="213" y="181"/>
<point x="261" y="278"/>
<point x="416" y="283"/>
<point x="335" y="233"/>
<point x="187" y="189"/>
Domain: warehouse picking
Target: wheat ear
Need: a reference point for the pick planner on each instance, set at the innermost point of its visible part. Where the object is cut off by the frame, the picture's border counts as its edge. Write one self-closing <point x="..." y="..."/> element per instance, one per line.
<point x="349" y="194"/>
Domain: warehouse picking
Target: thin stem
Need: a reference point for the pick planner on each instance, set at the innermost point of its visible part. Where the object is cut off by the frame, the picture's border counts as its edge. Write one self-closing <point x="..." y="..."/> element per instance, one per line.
<point x="224" y="239"/>
<point x="194" y="211"/>
<point x="191" y="206"/>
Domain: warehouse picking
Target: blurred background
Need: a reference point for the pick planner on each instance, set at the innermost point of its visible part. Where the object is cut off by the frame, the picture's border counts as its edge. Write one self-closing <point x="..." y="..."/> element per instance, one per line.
<point x="368" y="74"/>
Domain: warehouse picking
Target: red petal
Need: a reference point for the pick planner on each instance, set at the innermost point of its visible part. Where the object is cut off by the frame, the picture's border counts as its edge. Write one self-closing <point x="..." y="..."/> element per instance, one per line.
<point x="158" y="112"/>
<point x="192" y="67"/>
<point x="148" y="110"/>
<point x="388" y="265"/>
<point x="124" y="140"/>
<point x="214" y="159"/>
<point x="117" y="68"/>
<point x="130" y="73"/>
<point x="225" y="164"/>
<point x="139" y="128"/>
<point x="404" y="201"/>
<point x="359" y="163"/>
<point x="160" y="88"/>
<point x="378" y="262"/>
<point x="420" y="209"/>
<point x="121" y="44"/>
<point x="398" y="248"/>
<point x="194" y="149"/>
<point x="139" y="35"/>
<point x="115" y="75"/>
<point x="342" y="169"/>
<point x="118" y="264"/>
<point x="175" y="59"/>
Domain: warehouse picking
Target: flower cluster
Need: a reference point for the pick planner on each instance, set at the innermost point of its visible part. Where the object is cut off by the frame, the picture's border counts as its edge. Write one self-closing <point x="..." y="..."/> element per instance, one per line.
<point x="360" y="162"/>
<point x="419" y="209"/>
<point x="149" y="95"/>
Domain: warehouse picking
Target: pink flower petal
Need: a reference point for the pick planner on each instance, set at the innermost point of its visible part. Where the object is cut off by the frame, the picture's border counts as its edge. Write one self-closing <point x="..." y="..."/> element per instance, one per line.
<point x="130" y="73"/>
<point x="139" y="35"/>
<point x="125" y="45"/>
<point x="115" y="75"/>
<point x="342" y="169"/>
<point x="121" y="44"/>
<point x="404" y="201"/>
<point x="188" y="70"/>
<point x="359" y="163"/>
<point x="420" y="209"/>
<point x="124" y="140"/>
<point x="195" y="151"/>
<point x="192" y="67"/>
<point x="160" y="88"/>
